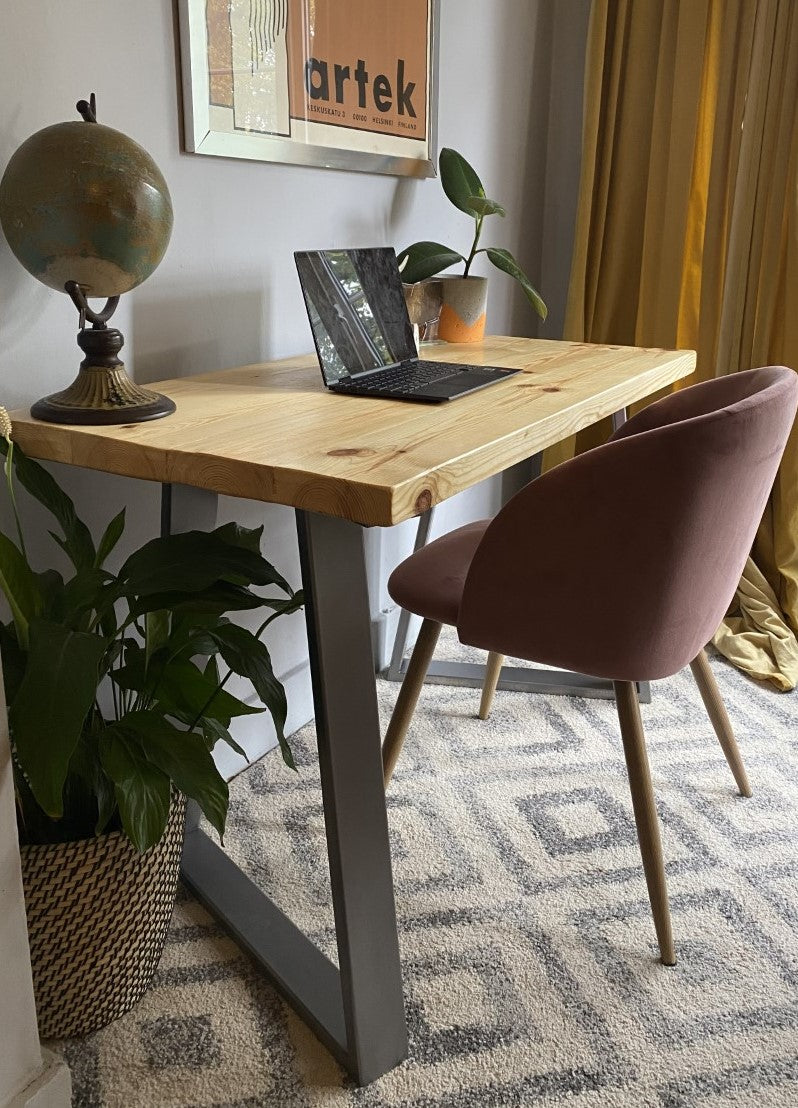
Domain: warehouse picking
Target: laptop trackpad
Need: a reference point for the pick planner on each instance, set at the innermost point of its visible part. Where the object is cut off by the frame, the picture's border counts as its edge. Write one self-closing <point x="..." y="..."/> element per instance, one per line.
<point x="462" y="382"/>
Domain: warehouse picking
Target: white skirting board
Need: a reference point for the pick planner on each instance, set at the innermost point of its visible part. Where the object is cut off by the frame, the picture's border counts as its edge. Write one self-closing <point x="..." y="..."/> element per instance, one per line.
<point x="51" y="1088"/>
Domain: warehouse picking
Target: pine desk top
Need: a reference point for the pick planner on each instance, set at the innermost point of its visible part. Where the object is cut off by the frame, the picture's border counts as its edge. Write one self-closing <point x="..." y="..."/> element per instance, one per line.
<point x="272" y="432"/>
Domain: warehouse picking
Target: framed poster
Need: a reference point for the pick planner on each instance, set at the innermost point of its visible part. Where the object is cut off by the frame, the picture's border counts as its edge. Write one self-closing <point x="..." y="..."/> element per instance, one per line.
<point x="347" y="84"/>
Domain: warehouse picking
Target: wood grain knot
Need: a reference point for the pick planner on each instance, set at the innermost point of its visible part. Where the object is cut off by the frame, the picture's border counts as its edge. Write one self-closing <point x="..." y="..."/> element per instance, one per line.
<point x="551" y="388"/>
<point x="424" y="501"/>
<point x="351" y="452"/>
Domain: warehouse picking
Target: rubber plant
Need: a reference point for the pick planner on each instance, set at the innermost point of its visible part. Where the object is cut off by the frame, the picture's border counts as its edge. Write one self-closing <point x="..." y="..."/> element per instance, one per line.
<point x="115" y="681"/>
<point x="465" y="190"/>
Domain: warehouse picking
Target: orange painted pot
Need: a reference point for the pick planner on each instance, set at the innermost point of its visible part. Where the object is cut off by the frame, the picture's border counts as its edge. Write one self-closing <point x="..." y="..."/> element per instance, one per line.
<point x="465" y="300"/>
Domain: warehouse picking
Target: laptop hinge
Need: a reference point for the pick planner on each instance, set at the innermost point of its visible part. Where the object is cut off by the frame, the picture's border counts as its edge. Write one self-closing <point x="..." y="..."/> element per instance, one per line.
<point x="377" y="369"/>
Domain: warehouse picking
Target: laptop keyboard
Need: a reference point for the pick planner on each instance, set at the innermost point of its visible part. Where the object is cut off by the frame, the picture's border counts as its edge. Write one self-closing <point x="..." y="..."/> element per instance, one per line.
<point x="400" y="378"/>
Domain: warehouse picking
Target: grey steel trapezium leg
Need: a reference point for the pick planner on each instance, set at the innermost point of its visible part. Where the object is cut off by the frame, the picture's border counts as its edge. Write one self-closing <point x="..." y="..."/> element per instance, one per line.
<point x="350" y="760"/>
<point x="394" y="670"/>
<point x="357" y="1011"/>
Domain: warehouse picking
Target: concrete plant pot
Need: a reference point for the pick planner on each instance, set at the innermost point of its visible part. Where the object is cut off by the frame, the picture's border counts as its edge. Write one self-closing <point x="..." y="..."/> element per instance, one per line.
<point x="465" y="300"/>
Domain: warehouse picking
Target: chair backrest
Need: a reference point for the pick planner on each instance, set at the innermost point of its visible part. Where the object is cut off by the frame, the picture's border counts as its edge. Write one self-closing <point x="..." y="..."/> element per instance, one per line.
<point x="621" y="563"/>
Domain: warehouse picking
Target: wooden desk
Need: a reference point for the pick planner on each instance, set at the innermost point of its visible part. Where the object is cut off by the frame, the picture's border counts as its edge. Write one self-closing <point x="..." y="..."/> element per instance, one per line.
<point x="272" y="433"/>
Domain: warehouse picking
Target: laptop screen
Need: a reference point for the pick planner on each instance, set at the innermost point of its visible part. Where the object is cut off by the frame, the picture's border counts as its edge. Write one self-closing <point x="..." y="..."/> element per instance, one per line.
<point x="357" y="310"/>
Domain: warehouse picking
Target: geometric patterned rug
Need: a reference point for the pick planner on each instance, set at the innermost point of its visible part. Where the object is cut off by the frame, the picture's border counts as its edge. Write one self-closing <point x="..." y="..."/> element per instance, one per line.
<point x="528" y="951"/>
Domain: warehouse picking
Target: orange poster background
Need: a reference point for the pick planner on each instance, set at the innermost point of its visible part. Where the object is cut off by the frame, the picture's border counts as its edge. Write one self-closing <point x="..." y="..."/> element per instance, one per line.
<point x="220" y="53"/>
<point x="378" y="31"/>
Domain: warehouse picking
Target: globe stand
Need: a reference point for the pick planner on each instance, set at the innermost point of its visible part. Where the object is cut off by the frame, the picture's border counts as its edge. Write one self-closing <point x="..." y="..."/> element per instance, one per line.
<point x="102" y="392"/>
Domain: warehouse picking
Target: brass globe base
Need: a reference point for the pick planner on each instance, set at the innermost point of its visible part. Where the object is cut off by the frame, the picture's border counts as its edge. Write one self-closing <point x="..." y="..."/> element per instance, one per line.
<point x="69" y="407"/>
<point x="102" y="392"/>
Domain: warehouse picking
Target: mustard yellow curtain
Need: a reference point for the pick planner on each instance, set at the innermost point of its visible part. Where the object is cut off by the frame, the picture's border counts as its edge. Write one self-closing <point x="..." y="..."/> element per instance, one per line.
<point x="687" y="235"/>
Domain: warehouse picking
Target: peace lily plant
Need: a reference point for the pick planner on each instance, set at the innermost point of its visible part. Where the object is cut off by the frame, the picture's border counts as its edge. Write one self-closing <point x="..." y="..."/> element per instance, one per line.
<point x="113" y="681"/>
<point x="464" y="189"/>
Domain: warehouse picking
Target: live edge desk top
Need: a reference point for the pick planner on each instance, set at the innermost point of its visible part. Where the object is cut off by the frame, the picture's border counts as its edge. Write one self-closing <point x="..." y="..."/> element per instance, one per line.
<point x="272" y="432"/>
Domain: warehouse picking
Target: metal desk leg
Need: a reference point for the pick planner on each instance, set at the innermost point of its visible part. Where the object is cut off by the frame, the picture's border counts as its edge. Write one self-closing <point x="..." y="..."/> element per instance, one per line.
<point x="350" y="758"/>
<point x="394" y="671"/>
<point x="357" y="1012"/>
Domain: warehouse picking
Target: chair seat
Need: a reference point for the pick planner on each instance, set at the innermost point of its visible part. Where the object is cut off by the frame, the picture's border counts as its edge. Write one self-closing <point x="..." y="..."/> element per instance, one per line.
<point x="430" y="582"/>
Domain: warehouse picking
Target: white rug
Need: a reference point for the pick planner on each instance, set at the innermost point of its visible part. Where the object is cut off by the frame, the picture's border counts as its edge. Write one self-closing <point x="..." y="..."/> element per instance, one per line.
<point x="529" y="956"/>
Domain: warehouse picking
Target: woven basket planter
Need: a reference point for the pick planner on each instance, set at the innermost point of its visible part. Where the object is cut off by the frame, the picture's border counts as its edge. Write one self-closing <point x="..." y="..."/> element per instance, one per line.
<point x="98" y="913"/>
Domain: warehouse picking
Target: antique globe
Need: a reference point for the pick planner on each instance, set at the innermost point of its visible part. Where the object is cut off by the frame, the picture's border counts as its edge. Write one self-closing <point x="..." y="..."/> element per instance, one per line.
<point x="86" y="211"/>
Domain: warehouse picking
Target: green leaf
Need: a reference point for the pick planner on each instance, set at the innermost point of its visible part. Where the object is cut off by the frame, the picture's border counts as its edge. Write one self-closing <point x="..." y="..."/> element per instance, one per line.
<point x="113" y="650"/>
<point x="14" y="661"/>
<point x="142" y="790"/>
<point x="51" y="589"/>
<point x="107" y="804"/>
<point x="85" y="764"/>
<point x="219" y="598"/>
<point x="285" y="607"/>
<point x="192" y="561"/>
<point x="77" y="540"/>
<point x="192" y="641"/>
<point x="483" y="206"/>
<point x="105" y="605"/>
<point x="111" y="536"/>
<point x="181" y="686"/>
<point x="504" y="260"/>
<point x="19" y="585"/>
<point x="49" y="710"/>
<point x="248" y="656"/>
<point x="133" y="675"/>
<point x="216" y="732"/>
<point x="84" y="593"/>
<point x="459" y="180"/>
<point x="33" y="825"/>
<point x="211" y="670"/>
<point x="249" y="538"/>
<point x="156" y="633"/>
<point x="424" y="259"/>
<point x="186" y="761"/>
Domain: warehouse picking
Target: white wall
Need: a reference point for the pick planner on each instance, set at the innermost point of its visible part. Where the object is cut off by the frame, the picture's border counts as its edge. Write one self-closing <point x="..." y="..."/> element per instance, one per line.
<point x="226" y="293"/>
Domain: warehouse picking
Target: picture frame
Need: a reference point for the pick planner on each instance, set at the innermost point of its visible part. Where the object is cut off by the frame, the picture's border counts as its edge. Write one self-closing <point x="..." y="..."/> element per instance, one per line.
<point x="312" y="82"/>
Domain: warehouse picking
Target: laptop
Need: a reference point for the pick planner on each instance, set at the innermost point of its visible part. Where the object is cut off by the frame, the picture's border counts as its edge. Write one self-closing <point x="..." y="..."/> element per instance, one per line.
<point x="363" y="335"/>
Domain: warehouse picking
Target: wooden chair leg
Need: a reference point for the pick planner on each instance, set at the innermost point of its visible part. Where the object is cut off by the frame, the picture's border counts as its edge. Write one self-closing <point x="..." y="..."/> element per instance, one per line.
<point x="408" y="696"/>
<point x="645" y="810"/>
<point x="716" y="710"/>
<point x="493" y="669"/>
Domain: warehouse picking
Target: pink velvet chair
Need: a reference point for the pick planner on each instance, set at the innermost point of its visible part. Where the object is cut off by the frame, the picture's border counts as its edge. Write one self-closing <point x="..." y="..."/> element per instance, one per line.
<point x="620" y="564"/>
